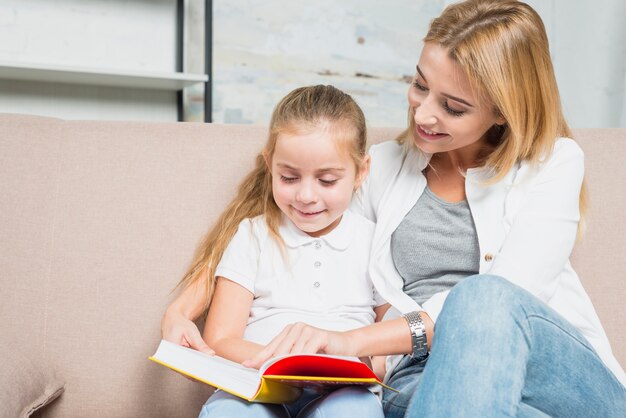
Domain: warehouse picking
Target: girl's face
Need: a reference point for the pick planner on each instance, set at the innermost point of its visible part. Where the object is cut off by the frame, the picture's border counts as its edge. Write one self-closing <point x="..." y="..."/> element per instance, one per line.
<point x="447" y="114"/>
<point x="313" y="178"/>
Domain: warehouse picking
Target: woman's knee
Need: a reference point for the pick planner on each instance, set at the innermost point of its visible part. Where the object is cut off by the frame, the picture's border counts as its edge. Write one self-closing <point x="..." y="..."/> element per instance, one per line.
<point x="482" y="285"/>
<point x="479" y="299"/>
<point x="481" y="289"/>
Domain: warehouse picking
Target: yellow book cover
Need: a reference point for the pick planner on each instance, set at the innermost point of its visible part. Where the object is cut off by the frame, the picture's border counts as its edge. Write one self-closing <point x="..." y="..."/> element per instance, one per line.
<point x="279" y="380"/>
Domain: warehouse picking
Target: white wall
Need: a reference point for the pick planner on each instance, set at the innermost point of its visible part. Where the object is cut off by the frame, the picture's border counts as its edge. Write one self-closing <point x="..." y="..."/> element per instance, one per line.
<point x="367" y="48"/>
<point x="261" y="54"/>
<point x="107" y="34"/>
<point x="263" y="49"/>
<point x="588" y="46"/>
<point x="122" y="35"/>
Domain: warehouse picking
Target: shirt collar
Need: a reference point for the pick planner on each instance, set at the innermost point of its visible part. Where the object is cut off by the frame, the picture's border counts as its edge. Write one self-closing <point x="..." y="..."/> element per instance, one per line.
<point x="417" y="158"/>
<point x="476" y="174"/>
<point x="338" y="238"/>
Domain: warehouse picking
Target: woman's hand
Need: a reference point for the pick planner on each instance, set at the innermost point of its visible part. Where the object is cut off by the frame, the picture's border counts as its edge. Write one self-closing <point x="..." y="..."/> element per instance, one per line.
<point x="379" y="366"/>
<point x="176" y="328"/>
<point x="300" y="338"/>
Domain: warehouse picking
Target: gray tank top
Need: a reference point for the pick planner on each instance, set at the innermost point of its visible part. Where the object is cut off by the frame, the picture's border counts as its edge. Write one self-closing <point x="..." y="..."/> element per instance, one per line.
<point x="435" y="246"/>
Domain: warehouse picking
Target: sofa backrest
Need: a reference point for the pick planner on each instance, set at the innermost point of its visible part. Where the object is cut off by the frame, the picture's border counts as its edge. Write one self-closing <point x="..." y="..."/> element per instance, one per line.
<point x="98" y="221"/>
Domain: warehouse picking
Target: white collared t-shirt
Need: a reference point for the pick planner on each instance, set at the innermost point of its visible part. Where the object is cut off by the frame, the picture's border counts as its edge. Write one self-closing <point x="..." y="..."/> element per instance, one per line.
<point x="321" y="281"/>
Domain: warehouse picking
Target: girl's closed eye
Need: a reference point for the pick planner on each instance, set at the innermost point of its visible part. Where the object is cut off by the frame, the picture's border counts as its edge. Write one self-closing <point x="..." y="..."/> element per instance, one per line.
<point x="288" y="179"/>
<point x="328" y="181"/>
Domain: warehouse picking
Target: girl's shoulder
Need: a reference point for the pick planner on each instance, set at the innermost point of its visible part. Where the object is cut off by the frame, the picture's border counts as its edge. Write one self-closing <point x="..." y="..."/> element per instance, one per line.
<point x="257" y="221"/>
<point x="360" y="223"/>
<point x="255" y="228"/>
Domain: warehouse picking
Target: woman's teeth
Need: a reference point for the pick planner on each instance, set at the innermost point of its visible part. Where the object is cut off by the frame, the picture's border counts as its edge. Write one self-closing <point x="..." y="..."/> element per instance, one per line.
<point x="430" y="132"/>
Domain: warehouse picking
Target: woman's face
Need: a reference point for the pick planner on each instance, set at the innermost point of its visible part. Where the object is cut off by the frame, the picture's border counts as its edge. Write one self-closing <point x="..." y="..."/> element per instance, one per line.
<point x="447" y="114"/>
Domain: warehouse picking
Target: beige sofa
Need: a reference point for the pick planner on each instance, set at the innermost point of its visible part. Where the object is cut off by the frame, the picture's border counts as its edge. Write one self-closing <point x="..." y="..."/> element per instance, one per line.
<point x="98" y="221"/>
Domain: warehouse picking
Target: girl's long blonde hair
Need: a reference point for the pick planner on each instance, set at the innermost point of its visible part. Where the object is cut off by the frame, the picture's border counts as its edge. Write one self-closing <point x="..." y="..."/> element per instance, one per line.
<point x="302" y="110"/>
<point x="502" y="47"/>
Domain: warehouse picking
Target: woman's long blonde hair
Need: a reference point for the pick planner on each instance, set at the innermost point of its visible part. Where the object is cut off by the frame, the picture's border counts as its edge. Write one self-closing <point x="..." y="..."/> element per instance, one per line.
<point x="303" y="110"/>
<point x="502" y="47"/>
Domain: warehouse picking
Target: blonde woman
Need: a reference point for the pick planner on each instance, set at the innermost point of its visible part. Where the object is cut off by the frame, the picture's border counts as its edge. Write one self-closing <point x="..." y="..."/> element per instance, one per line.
<point x="477" y="208"/>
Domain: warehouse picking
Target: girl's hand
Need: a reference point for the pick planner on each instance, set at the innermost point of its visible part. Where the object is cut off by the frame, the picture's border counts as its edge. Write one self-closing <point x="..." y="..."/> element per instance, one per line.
<point x="300" y="338"/>
<point x="176" y="328"/>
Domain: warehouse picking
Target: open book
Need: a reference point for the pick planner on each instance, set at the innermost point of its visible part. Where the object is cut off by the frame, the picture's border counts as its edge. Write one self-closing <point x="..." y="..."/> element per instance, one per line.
<point x="280" y="380"/>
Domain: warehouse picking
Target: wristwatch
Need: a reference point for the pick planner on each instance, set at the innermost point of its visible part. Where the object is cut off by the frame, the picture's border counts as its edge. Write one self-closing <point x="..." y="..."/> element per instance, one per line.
<point x="418" y="335"/>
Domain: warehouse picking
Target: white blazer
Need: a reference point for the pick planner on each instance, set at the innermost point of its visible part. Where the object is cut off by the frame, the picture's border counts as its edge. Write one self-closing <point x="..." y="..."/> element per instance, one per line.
<point x="526" y="225"/>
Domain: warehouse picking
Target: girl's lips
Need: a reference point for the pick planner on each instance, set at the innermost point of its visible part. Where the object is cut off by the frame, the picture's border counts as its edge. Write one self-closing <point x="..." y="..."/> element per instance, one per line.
<point x="429" y="135"/>
<point x="308" y="213"/>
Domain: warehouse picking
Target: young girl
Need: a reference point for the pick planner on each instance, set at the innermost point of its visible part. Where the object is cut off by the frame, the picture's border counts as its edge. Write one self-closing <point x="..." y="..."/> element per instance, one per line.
<point x="286" y="249"/>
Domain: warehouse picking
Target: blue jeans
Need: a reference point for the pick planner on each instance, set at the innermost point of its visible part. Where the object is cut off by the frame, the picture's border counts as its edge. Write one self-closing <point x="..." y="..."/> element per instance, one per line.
<point x="500" y="352"/>
<point x="345" y="402"/>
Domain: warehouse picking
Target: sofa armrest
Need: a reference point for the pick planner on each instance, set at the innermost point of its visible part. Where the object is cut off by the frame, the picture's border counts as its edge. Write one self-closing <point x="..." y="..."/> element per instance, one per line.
<point x="26" y="385"/>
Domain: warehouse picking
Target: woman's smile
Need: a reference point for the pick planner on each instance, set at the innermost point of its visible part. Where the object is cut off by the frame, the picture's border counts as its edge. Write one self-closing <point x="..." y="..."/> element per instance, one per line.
<point x="429" y="135"/>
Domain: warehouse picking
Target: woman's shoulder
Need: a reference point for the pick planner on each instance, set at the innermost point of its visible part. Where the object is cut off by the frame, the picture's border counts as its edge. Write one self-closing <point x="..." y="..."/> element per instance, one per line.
<point x="566" y="146"/>
<point x="390" y="149"/>
<point x="386" y="157"/>
<point x="564" y="150"/>
<point x="565" y="159"/>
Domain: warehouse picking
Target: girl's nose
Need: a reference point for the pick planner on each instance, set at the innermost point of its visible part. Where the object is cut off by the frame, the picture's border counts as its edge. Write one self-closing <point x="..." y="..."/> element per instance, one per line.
<point x="306" y="193"/>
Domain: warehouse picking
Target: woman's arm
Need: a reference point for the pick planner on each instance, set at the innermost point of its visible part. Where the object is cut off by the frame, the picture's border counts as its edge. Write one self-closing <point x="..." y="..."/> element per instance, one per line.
<point x="227" y="321"/>
<point x="378" y="363"/>
<point x="382" y="338"/>
<point x="543" y="230"/>
<point x="177" y="323"/>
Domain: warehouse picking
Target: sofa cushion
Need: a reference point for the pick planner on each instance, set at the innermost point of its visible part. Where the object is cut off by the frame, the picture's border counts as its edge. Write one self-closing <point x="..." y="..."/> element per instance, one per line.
<point x="26" y="384"/>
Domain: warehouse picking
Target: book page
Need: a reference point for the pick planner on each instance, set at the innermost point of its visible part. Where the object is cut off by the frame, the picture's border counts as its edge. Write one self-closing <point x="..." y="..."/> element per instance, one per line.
<point x="213" y="370"/>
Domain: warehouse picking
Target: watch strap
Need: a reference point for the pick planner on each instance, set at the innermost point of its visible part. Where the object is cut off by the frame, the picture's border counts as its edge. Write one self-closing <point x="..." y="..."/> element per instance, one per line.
<point x="418" y="335"/>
